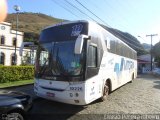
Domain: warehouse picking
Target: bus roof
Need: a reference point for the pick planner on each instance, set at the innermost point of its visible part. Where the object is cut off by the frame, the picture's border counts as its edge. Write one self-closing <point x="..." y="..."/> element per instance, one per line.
<point x="90" y="22"/>
<point x="66" y="22"/>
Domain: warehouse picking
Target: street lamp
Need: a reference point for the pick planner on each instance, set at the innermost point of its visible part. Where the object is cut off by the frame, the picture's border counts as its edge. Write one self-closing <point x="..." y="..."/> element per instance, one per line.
<point x="17" y="9"/>
<point x="141" y="38"/>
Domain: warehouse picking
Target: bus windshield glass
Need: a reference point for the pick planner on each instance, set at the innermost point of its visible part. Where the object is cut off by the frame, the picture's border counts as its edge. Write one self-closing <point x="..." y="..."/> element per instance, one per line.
<point x="58" y="59"/>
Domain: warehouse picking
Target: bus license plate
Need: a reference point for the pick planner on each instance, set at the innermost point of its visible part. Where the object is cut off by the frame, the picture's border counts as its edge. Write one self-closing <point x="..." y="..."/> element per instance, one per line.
<point x="50" y="94"/>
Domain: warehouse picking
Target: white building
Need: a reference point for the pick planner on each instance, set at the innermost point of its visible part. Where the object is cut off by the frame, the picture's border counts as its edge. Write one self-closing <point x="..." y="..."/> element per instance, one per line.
<point x="7" y="45"/>
<point x="144" y="63"/>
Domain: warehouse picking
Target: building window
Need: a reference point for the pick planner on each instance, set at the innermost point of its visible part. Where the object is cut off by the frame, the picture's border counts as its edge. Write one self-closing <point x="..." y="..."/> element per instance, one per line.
<point x="2" y="40"/>
<point x="13" y="59"/>
<point x="14" y="41"/>
<point x="2" y="58"/>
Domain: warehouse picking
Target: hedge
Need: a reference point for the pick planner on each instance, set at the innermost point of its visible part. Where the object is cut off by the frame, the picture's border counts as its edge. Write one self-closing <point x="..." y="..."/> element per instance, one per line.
<point x="16" y="73"/>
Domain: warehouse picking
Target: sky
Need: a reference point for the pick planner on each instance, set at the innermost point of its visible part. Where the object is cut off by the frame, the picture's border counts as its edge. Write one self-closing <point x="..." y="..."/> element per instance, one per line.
<point x="137" y="17"/>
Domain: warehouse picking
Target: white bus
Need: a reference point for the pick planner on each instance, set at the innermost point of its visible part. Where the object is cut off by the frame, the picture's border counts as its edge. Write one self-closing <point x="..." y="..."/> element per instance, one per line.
<point x="79" y="62"/>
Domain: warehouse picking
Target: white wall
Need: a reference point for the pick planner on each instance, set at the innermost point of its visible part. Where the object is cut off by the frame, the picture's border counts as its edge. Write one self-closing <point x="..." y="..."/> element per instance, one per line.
<point x="8" y="49"/>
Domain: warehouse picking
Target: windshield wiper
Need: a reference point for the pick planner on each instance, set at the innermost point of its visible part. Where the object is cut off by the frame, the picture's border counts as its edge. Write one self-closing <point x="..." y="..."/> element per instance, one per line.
<point x="43" y="68"/>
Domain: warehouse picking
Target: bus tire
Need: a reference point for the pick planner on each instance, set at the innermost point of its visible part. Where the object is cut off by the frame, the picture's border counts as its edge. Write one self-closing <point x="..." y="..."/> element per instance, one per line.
<point x="106" y="90"/>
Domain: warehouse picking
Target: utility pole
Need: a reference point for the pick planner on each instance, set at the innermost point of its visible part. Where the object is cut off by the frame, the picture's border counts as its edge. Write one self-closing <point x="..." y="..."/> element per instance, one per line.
<point x="17" y="9"/>
<point x="151" y="35"/>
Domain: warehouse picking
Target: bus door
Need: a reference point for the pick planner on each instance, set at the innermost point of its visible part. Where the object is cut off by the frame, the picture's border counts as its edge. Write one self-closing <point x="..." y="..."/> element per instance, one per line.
<point x="92" y="71"/>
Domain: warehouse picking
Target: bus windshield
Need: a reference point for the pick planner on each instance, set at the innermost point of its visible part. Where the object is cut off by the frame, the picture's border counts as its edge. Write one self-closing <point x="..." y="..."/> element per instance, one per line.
<point x="58" y="59"/>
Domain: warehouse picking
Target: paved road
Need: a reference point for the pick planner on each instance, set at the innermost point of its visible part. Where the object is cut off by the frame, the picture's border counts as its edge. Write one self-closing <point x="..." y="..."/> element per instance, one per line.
<point x="140" y="97"/>
<point x="27" y="89"/>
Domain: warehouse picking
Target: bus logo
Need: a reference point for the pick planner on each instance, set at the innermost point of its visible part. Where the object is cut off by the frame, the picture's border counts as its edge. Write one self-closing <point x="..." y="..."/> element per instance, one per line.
<point x="76" y="30"/>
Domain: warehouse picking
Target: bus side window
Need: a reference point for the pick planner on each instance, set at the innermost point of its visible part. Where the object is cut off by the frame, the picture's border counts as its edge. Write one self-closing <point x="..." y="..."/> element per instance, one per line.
<point x="92" y="56"/>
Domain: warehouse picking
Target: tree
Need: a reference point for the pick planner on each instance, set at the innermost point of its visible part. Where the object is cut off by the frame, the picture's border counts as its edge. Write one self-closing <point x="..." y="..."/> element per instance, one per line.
<point x="26" y="59"/>
<point x="156" y="52"/>
<point x="30" y="37"/>
<point x="157" y="59"/>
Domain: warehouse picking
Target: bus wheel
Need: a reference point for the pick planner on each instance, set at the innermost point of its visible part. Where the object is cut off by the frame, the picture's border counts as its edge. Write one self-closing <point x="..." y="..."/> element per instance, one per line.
<point x="105" y="91"/>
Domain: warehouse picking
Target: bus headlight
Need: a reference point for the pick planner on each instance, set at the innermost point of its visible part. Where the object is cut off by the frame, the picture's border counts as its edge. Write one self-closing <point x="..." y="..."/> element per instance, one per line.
<point x="36" y="84"/>
<point x="71" y="94"/>
<point x="35" y="88"/>
<point x="75" y="94"/>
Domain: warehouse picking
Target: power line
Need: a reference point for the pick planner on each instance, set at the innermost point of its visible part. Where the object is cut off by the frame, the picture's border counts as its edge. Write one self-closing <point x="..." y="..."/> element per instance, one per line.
<point x="133" y="45"/>
<point x="91" y="2"/>
<point x="79" y="10"/>
<point x="98" y="18"/>
<point x="151" y="35"/>
<point x="73" y="9"/>
<point x="121" y="16"/>
<point x="119" y="11"/>
<point x="91" y="12"/>
<point x="80" y="15"/>
<point x="65" y="8"/>
<point x="118" y="32"/>
<point x="141" y="38"/>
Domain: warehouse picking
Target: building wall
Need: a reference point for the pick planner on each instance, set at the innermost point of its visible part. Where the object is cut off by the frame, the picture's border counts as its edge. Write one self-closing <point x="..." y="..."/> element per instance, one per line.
<point x="146" y="57"/>
<point x="145" y="66"/>
<point x="8" y="48"/>
<point x="8" y="51"/>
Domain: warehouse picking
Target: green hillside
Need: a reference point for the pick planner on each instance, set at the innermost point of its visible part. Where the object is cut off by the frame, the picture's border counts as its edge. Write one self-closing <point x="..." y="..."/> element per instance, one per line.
<point x="32" y="23"/>
<point x="146" y="46"/>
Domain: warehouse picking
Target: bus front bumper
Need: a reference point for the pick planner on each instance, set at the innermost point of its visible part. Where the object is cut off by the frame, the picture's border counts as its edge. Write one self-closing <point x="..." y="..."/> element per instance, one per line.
<point x="64" y="97"/>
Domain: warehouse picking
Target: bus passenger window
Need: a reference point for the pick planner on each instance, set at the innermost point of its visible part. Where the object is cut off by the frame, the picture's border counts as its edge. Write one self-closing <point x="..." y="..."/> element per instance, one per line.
<point x="92" y="56"/>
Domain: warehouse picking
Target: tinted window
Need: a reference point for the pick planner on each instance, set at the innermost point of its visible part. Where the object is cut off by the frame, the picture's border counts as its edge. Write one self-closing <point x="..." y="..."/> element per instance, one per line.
<point x="112" y="46"/>
<point x="2" y="58"/>
<point x="92" y="53"/>
<point x="119" y="48"/>
<point x="2" y="40"/>
<point x="13" y="59"/>
<point x="14" y="41"/>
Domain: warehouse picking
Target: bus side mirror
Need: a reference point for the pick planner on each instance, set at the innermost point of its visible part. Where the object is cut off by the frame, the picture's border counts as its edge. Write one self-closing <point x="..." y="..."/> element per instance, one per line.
<point x="23" y="45"/>
<point x="79" y="44"/>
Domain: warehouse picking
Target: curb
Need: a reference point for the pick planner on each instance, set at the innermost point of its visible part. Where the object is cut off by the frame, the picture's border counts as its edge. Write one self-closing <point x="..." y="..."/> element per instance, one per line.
<point x="157" y="76"/>
<point x="11" y="87"/>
